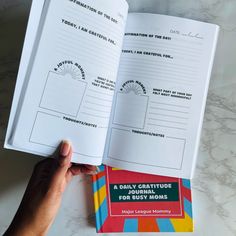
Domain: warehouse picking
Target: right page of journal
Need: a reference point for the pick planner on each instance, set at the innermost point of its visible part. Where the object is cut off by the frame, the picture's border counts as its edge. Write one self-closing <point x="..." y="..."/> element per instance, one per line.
<point x="160" y="94"/>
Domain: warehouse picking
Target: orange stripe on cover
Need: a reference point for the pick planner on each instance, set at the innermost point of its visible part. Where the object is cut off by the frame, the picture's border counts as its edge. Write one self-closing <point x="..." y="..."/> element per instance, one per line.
<point x="147" y="224"/>
<point x="98" y="176"/>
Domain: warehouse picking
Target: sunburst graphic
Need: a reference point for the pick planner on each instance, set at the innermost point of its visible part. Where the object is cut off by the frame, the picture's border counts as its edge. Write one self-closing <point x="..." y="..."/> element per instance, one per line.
<point x="71" y="70"/>
<point x="132" y="86"/>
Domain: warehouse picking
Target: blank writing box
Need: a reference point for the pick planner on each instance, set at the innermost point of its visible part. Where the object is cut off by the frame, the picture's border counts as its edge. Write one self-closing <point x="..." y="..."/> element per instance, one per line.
<point x="130" y="110"/>
<point x="146" y="150"/>
<point x="63" y="94"/>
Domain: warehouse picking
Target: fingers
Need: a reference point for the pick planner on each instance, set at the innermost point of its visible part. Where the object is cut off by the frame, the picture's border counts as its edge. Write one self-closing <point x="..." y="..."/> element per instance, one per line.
<point x="64" y="157"/>
<point x="77" y="169"/>
<point x="65" y="169"/>
<point x="63" y="160"/>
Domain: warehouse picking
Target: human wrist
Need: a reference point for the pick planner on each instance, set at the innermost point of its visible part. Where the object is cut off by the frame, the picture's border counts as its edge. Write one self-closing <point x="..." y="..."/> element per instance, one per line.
<point x="21" y="230"/>
<point x="25" y="224"/>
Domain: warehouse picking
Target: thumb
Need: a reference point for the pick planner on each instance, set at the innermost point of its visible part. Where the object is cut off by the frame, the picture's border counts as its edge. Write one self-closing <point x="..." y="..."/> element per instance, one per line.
<point x="63" y="158"/>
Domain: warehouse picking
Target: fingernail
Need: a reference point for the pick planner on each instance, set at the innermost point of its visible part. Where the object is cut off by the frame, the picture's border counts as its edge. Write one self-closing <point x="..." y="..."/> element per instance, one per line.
<point x="65" y="148"/>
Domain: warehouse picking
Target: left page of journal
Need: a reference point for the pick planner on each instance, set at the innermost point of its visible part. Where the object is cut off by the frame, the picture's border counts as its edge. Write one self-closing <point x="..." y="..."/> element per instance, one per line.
<point x="68" y="88"/>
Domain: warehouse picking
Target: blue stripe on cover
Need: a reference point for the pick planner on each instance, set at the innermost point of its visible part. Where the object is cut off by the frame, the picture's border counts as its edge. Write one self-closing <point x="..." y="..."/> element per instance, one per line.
<point x="188" y="207"/>
<point x="131" y="225"/>
<point x="165" y="225"/>
<point x="186" y="183"/>
<point x="101" y="214"/>
<point x="99" y="183"/>
<point x="101" y="168"/>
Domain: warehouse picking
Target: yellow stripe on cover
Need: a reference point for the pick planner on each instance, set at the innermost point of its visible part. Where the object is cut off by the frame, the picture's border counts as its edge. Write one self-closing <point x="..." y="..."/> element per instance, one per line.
<point x="114" y="168"/>
<point x="183" y="225"/>
<point x="99" y="196"/>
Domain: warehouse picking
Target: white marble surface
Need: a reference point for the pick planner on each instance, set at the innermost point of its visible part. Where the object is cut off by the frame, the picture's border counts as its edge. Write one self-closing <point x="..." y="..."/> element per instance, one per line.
<point x="214" y="184"/>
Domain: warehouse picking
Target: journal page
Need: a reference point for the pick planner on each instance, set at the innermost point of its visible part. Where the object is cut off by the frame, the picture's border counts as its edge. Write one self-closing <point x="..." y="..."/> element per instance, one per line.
<point x="70" y="83"/>
<point x="160" y="95"/>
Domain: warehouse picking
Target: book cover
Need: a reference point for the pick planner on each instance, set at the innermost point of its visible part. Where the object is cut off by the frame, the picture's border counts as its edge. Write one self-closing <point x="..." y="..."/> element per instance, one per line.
<point x="134" y="202"/>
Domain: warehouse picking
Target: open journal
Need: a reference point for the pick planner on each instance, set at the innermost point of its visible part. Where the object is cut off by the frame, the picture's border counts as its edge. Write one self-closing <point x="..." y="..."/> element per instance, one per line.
<point x="128" y="90"/>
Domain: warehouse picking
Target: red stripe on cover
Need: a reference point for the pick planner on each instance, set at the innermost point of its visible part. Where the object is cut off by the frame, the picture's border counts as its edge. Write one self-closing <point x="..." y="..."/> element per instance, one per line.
<point x="186" y="193"/>
<point x="113" y="224"/>
<point x="147" y="224"/>
<point x="98" y="176"/>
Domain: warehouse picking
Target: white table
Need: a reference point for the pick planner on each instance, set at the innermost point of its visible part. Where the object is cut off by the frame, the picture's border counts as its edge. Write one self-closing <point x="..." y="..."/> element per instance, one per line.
<point x="214" y="184"/>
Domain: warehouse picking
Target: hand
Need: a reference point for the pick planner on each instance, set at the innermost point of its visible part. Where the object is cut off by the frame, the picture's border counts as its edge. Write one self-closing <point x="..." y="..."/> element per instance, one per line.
<point x="43" y="195"/>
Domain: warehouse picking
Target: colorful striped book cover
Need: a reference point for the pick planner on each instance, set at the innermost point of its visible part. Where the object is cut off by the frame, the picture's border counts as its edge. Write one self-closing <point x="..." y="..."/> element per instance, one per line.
<point x="128" y="201"/>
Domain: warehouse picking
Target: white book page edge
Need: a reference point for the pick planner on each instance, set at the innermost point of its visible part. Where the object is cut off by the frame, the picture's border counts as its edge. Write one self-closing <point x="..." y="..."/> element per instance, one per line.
<point x="30" y="36"/>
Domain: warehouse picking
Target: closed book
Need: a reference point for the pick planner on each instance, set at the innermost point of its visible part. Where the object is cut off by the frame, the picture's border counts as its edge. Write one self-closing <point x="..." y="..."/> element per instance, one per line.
<point x="128" y="201"/>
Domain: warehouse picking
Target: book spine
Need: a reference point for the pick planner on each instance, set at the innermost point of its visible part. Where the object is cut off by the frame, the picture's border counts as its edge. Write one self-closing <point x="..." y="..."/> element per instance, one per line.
<point x="96" y="201"/>
<point x="100" y="199"/>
